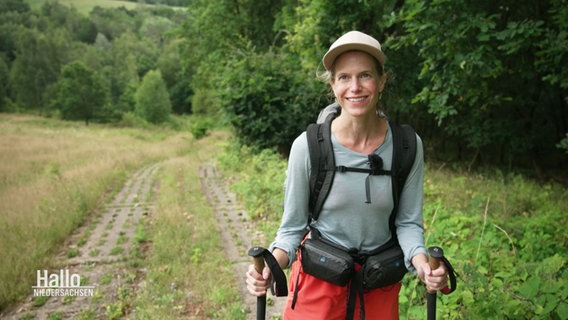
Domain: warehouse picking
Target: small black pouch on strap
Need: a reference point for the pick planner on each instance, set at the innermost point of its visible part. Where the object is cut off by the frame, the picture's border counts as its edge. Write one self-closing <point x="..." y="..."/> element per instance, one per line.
<point x="384" y="268"/>
<point x="326" y="262"/>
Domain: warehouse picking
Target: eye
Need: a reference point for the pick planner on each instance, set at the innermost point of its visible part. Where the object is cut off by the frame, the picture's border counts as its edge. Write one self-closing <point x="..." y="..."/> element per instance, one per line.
<point x="342" y="77"/>
<point x="366" y="75"/>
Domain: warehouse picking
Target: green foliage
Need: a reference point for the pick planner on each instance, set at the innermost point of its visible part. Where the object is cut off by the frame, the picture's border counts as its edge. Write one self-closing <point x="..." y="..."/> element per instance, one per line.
<point x="504" y="234"/>
<point x="131" y="119"/>
<point x="14" y="6"/>
<point x="80" y="93"/>
<point x="35" y="68"/>
<point x="260" y="180"/>
<point x="259" y="99"/>
<point x="175" y="78"/>
<point x="152" y="98"/>
<point x="486" y="73"/>
<point x="475" y="59"/>
<point x="112" y="22"/>
<point x="233" y="23"/>
<point x="200" y="127"/>
<point x="315" y="24"/>
<point x="501" y="232"/>
<point x="4" y="72"/>
<point x="563" y="144"/>
<point x="57" y="15"/>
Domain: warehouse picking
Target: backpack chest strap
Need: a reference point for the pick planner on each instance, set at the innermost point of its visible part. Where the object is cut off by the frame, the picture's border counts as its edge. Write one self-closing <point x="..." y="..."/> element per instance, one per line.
<point x="371" y="172"/>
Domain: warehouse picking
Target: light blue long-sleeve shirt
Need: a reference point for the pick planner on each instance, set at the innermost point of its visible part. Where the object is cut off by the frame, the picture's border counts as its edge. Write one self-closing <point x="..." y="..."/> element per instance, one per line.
<point x="345" y="218"/>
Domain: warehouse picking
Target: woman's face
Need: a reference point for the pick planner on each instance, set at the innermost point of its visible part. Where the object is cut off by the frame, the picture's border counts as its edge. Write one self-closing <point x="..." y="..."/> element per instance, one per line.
<point x="356" y="83"/>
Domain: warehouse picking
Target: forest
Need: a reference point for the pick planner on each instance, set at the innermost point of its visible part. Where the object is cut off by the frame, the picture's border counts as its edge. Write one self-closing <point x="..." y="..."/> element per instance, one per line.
<point x="482" y="82"/>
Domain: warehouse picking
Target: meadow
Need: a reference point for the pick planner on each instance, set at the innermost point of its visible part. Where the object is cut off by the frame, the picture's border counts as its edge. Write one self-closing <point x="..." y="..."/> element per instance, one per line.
<point x="85" y="6"/>
<point x="53" y="177"/>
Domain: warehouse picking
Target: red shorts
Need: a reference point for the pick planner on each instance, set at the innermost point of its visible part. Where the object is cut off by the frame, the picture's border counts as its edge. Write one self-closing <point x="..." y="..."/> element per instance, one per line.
<point x="318" y="299"/>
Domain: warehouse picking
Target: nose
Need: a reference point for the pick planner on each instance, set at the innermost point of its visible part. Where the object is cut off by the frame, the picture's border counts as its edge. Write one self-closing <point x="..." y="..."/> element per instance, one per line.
<point x="355" y="84"/>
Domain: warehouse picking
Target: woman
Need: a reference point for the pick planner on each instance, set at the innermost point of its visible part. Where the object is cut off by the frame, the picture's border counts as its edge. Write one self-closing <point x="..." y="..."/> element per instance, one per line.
<point x="354" y="69"/>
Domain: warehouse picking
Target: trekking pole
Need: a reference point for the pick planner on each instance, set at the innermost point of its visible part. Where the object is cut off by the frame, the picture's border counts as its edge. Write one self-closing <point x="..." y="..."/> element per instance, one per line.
<point x="436" y="253"/>
<point x="256" y="253"/>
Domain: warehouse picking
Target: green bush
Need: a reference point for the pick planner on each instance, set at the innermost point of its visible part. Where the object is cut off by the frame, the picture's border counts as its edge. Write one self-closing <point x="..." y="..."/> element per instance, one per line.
<point x="199" y="128"/>
<point x="268" y="100"/>
<point x="502" y="234"/>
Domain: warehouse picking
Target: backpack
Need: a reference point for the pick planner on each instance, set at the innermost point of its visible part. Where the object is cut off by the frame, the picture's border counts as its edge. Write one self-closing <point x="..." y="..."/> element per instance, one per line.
<point x="323" y="162"/>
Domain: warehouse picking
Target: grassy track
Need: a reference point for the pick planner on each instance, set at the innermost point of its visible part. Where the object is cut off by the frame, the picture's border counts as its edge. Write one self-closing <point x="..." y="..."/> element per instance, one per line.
<point x="188" y="276"/>
<point x="53" y="177"/>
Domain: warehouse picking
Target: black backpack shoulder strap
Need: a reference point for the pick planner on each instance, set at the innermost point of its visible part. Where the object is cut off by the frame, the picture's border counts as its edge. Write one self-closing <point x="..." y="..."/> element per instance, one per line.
<point x="322" y="162"/>
<point x="404" y="154"/>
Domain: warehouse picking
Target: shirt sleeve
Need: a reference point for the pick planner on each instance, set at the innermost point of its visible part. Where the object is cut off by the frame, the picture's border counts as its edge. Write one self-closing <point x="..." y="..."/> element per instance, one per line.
<point x="296" y="196"/>
<point x="409" y="220"/>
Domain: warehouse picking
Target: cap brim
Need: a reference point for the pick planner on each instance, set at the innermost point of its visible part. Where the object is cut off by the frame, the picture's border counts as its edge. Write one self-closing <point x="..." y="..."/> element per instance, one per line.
<point x="331" y="55"/>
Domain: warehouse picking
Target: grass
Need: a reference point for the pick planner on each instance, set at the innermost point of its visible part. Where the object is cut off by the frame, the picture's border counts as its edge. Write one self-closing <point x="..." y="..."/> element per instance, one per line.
<point x="85" y="6"/>
<point x="188" y="275"/>
<point x="53" y="175"/>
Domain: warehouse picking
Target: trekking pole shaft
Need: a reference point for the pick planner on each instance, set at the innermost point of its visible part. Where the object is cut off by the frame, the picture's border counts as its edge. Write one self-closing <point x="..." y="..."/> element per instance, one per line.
<point x="434" y="261"/>
<point x="260" y="301"/>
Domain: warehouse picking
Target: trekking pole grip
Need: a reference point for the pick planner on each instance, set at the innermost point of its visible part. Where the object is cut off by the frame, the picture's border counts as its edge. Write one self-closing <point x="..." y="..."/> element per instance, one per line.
<point x="258" y="264"/>
<point x="258" y="260"/>
<point x="436" y="254"/>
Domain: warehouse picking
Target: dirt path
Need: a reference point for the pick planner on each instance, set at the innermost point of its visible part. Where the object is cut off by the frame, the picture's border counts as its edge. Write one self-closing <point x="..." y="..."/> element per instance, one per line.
<point x="99" y="251"/>
<point x="238" y="236"/>
<point x="96" y="252"/>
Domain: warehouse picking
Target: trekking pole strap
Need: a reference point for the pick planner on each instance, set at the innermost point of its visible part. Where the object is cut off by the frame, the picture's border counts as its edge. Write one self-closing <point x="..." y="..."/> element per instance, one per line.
<point x="452" y="275"/>
<point x="438" y="254"/>
<point x="278" y="285"/>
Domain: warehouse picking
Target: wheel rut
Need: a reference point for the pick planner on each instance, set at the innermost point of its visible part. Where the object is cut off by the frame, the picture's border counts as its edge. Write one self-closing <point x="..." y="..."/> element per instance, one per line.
<point x="238" y="235"/>
<point x="97" y="252"/>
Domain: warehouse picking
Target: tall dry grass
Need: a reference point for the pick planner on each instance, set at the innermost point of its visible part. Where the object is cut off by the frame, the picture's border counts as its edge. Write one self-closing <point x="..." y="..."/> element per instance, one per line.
<point x="53" y="175"/>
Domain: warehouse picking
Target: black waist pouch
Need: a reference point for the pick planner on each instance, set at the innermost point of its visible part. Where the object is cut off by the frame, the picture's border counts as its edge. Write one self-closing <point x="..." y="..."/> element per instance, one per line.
<point x="384" y="268"/>
<point x="326" y="262"/>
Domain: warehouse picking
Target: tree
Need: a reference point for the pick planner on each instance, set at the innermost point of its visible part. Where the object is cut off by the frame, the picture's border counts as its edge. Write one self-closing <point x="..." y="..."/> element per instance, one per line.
<point x="56" y="15"/>
<point x="175" y="78"/>
<point x="486" y="74"/>
<point x="81" y="94"/>
<point x="36" y="67"/>
<point x="112" y="22"/>
<point x="232" y="25"/>
<point x="152" y="98"/>
<point x="3" y="83"/>
<point x="14" y="14"/>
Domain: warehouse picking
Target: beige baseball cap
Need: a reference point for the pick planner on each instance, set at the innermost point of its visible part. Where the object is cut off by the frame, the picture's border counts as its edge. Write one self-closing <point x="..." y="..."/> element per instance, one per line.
<point x="353" y="40"/>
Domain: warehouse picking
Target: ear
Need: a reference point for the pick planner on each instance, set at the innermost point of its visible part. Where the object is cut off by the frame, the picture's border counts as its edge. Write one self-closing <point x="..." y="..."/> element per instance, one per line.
<point x="382" y="82"/>
<point x="332" y="86"/>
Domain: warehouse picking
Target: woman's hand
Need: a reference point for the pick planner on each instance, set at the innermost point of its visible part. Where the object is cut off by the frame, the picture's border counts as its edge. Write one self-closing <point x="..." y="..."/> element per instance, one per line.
<point x="435" y="280"/>
<point x="257" y="283"/>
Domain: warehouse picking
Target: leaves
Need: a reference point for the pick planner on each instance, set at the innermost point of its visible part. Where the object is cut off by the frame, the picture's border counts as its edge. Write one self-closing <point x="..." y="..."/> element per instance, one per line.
<point x="477" y="60"/>
<point x="81" y="94"/>
<point x="152" y="98"/>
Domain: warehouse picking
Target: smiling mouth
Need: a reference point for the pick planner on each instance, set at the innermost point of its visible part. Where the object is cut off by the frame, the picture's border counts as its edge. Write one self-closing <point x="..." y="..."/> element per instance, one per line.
<point x="356" y="99"/>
